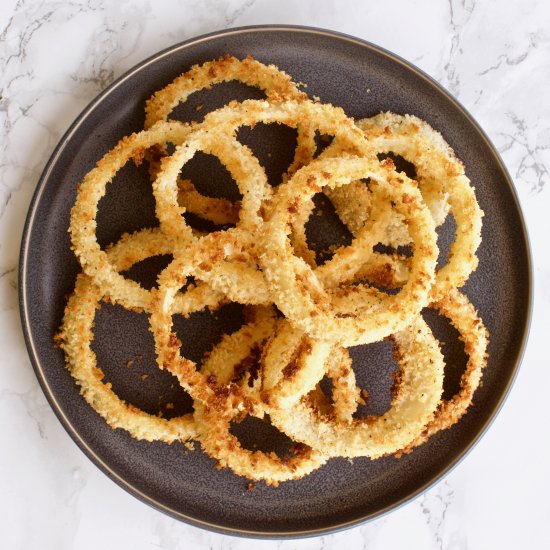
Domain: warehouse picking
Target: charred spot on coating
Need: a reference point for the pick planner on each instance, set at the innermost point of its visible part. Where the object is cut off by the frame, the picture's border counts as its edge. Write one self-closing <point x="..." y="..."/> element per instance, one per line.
<point x="293" y="365"/>
<point x="294" y="206"/>
<point x="174" y="341"/>
<point x="345" y="315"/>
<point x="397" y="380"/>
<point x="250" y="364"/>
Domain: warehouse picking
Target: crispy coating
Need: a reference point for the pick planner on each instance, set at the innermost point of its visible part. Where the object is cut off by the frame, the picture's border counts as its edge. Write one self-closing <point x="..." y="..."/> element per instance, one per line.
<point x="276" y="84"/>
<point x="463" y="316"/>
<point x="271" y="368"/>
<point x="413" y="405"/>
<point x="298" y="291"/>
<point x="76" y="335"/>
<point x="94" y="261"/>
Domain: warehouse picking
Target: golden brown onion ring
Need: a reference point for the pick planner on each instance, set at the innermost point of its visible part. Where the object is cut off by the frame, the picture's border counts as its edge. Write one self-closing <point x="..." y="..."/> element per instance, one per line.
<point x="414" y="401"/>
<point x="463" y="316"/>
<point x="227" y="274"/>
<point x="275" y="83"/>
<point x="168" y="346"/>
<point x="297" y="290"/>
<point x="94" y="261"/>
<point x="443" y="185"/>
<point x="256" y="357"/>
<point x="214" y="427"/>
<point x="76" y="335"/>
<point x="226" y="360"/>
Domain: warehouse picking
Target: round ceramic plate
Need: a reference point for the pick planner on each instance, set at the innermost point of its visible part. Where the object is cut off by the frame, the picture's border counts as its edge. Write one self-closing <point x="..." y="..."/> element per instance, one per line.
<point x="364" y="80"/>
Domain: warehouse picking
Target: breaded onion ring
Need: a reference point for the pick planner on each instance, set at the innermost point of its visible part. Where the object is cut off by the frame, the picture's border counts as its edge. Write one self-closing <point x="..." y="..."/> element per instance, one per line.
<point x="239" y="159"/>
<point x="276" y="84"/>
<point x="297" y="290"/>
<point x="415" y="399"/>
<point x="215" y="130"/>
<point x="213" y="427"/>
<point x="442" y="183"/>
<point x="76" y="334"/>
<point x="218" y="442"/>
<point x="82" y="228"/>
<point x="167" y="345"/>
<point x="225" y="362"/>
<point x="250" y="357"/>
<point x="441" y="177"/>
<point x="463" y="316"/>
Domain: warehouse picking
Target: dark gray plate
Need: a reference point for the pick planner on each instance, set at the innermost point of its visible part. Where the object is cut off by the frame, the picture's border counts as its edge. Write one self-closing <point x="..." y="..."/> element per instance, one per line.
<point x="363" y="80"/>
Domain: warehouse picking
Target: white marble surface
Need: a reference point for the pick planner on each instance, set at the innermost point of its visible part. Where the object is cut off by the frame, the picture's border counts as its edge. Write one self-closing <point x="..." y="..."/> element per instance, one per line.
<point x="56" y="56"/>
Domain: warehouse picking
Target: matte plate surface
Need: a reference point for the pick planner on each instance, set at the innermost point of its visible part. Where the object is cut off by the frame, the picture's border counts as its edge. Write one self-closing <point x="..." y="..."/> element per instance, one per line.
<point x="364" y="80"/>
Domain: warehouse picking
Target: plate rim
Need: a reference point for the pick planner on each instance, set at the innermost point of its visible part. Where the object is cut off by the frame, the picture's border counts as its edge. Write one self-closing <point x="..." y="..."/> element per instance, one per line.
<point x="32" y="349"/>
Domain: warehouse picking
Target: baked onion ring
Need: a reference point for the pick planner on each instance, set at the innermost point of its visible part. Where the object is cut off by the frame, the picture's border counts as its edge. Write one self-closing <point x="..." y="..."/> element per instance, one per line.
<point x="167" y="345"/>
<point x="463" y="316"/>
<point x="225" y="362"/>
<point x="443" y="185"/>
<point x="276" y="84"/>
<point x="215" y="437"/>
<point x="76" y="334"/>
<point x="441" y="178"/>
<point x="414" y="401"/>
<point x="250" y="357"/>
<point x="94" y="261"/>
<point x="298" y="292"/>
<point x="216" y="130"/>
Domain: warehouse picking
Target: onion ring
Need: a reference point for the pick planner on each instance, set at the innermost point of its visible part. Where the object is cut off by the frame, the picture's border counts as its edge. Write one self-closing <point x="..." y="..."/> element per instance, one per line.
<point x="82" y="228"/>
<point x="223" y="363"/>
<point x="217" y="126"/>
<point x="260" y="340"/>
<point x="413" y="405"/>
<point x="83" y="214"/>
<point x="167" y="345"/>
<point x="441" y="176"/>
<point x="442" y="183"/>
<point x="215" y="437"/>
<point x="76" y="334"/>
<point x="463" y="316"/>
<point x="275" y="83"/>
<point x="298" y="292"/>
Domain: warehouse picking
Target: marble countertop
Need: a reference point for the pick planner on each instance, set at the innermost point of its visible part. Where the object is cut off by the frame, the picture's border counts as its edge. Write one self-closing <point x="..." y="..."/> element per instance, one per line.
<point x="55" y="56"/>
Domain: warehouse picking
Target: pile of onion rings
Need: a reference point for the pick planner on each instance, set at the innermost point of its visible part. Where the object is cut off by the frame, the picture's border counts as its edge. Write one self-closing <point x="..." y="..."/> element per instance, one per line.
<point x="301" y="316"/>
